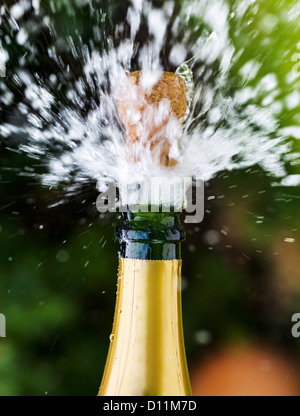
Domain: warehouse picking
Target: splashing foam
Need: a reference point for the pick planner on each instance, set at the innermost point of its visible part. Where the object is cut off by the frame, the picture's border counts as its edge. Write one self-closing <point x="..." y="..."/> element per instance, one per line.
<point x="221" y="131"/>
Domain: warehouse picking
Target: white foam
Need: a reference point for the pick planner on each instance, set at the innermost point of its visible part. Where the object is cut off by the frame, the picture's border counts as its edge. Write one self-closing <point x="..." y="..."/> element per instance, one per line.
<point x="221" y="132"/>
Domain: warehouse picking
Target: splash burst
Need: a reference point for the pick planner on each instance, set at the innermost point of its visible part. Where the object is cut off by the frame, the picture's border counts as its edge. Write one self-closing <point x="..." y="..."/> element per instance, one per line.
<point x="70" y="121"/>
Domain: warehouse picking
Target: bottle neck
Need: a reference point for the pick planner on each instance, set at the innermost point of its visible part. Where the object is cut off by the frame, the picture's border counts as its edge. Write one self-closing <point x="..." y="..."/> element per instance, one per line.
<point x="151" y="236"/>
<point x="146" y="354"/>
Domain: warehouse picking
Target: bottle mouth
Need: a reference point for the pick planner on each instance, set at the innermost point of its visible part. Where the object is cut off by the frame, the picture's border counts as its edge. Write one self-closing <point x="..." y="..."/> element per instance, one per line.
<point x="158" y="227"/>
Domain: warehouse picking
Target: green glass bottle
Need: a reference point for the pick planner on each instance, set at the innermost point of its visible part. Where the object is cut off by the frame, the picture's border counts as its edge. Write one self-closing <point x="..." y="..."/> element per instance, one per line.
<point x="146" y="354"/>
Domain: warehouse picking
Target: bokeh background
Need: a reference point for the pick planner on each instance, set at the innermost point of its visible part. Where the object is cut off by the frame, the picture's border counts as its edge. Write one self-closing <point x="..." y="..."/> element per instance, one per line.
<point x="58" y="263"/>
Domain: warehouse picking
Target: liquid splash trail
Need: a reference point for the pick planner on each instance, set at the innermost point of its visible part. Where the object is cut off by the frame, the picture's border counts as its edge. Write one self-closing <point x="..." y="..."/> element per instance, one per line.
<point x="70" y="123"/>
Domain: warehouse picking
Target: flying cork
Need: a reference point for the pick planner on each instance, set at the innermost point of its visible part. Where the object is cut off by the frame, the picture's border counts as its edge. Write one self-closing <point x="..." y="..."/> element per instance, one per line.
<point x="147" y="108"/>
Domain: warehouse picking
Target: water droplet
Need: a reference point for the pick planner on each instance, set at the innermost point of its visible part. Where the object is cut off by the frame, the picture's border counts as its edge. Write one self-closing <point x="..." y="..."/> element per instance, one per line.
<point x="266" y="366"/>
<point x="62" y="256"/>
<point x="289" y="240"/>
<point x="212" y="237"/>
<point x="192" y="248"/>
<point x="203" y="337"/>
<point x="111" y="337"/>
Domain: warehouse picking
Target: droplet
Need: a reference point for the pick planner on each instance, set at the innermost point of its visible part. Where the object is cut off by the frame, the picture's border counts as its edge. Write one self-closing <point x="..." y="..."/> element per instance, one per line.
<point x="289" y="240"/>
<point x="266" y="366"/>
<point x="203" y="337"/>
<point x="62" y="256"/>
<point x="212" y="237"/>
<point x="111" y="337"/>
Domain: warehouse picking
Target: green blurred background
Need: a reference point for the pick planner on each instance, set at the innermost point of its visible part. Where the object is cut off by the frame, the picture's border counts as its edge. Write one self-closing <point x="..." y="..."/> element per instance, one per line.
<point x="58" y="265"/>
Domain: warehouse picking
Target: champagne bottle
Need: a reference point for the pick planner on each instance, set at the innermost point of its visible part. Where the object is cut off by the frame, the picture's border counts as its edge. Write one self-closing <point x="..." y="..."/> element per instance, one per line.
<point x="146" y="355"/>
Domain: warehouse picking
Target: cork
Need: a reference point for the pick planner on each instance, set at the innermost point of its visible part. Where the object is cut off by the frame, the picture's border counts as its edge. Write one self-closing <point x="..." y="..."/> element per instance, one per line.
<point x="134" y="98"/>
